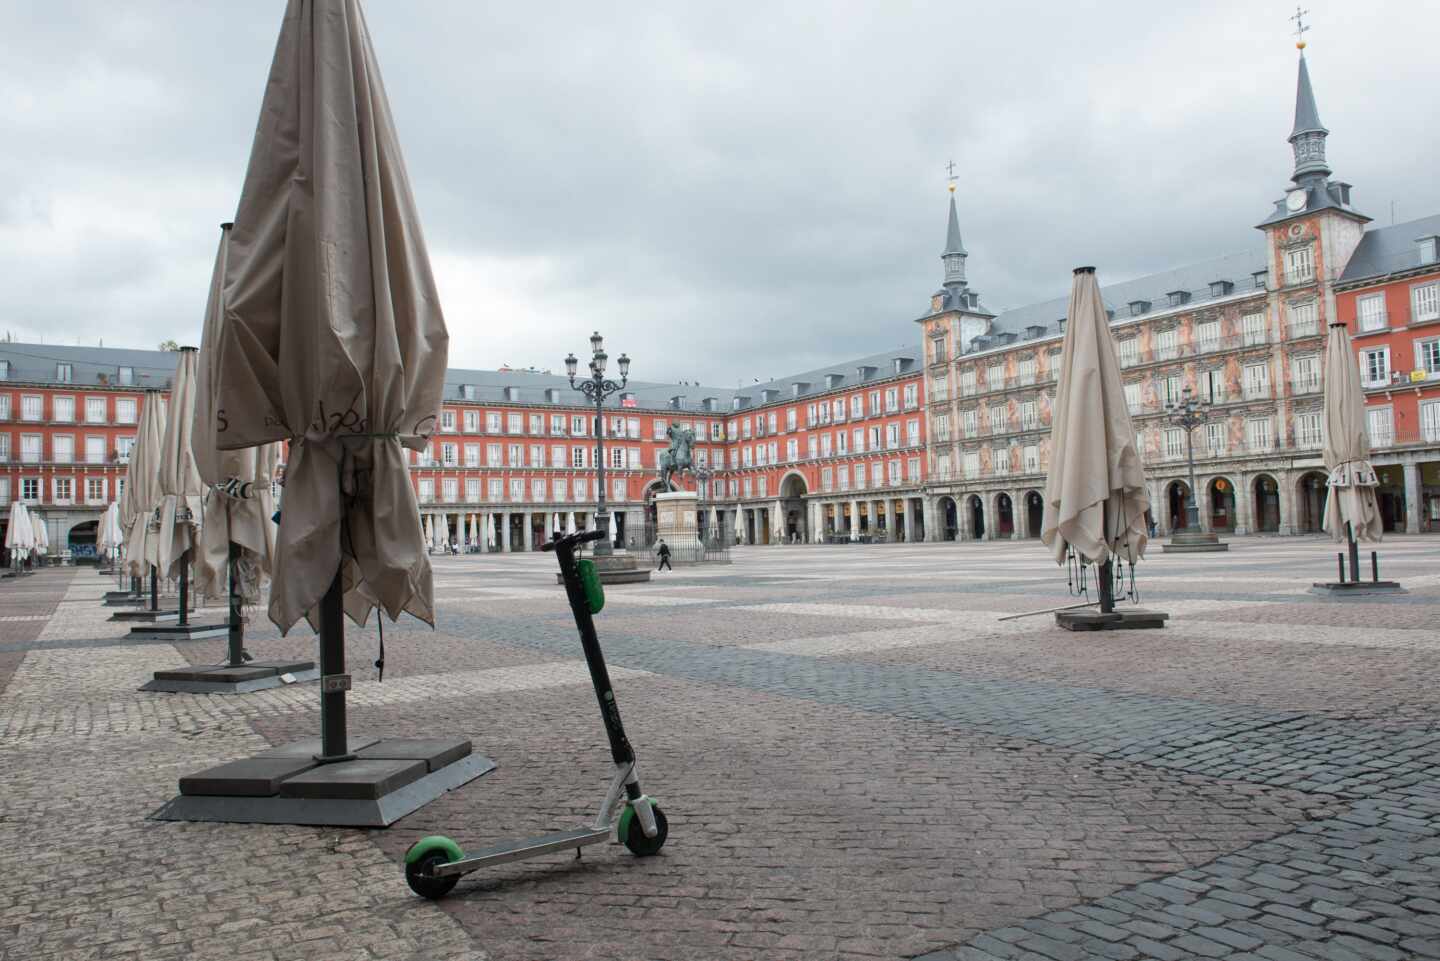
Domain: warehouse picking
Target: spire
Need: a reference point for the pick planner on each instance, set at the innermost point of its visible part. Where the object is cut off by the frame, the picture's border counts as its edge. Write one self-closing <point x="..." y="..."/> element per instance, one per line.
<point x="954" y="255"/>
<point x="1307" y="139"/>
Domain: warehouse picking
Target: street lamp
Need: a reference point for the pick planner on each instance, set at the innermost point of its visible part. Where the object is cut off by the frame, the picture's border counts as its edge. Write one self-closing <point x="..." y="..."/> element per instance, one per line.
<point x="1188" y="413"/>
<point x="596" y="388"/>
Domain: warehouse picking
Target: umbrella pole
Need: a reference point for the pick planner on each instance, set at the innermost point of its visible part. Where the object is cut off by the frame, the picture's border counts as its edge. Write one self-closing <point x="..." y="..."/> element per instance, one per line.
<point x="1107" y="587"/>
<point x="1354" y="552"/>
<point x="184" y="589"/>
<point x="334" y="744"/>
<point x="154" y="589"/>
<point x="237" y="628"/>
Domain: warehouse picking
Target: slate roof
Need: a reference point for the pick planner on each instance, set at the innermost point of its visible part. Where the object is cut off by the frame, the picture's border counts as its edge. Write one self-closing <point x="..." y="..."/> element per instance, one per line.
<point x="1307" y="117"/>
<point x="1390" y="250"/>
<point x="90" y="366"/>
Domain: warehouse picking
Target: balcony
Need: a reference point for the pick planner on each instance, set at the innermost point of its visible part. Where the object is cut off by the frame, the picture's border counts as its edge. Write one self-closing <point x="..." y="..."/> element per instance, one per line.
<point x="1300" y="331"/>
<point x="1306" y="385"/>
<point x="1374" y="322"/>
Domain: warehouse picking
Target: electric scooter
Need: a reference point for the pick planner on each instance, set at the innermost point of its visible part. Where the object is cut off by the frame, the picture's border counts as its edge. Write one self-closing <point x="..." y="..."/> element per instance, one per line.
<point x="434" y="864"/>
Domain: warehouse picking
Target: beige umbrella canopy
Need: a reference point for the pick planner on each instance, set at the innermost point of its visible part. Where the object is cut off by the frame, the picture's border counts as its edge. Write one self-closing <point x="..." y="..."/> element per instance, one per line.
<point x="1095" y="494"/>
<point x="1350" y="497"/>
<point x="239" y="502"/>
<point x="333" y="336"/>
<point x="41" y="543"/>
<point x="19" y="535"/>
<point x="182" y="493"/>
<point x="142" y="482"/>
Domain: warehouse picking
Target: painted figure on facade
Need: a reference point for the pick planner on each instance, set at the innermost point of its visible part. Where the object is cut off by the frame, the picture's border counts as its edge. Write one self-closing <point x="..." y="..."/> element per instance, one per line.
<point x="676" y="458"/>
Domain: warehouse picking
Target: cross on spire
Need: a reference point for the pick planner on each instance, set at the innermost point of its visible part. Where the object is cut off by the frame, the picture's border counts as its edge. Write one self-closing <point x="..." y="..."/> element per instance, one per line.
<point x="1300" y="27"/>
<point x="950" y="169"/>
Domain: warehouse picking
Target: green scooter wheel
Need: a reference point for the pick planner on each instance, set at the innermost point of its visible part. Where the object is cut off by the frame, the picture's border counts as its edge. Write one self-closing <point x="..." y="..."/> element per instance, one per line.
<point x="422" y="882"/>
<point x="634" y="835"/>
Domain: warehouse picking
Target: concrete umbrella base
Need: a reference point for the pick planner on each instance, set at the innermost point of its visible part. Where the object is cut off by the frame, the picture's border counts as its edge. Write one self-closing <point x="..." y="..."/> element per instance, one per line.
<point x="1356" y="588"/>
<point x="1194" y="542"/>
<point x="1130" y="619"/>
<point x="387" y="780"/>
<point x="224" y="679"/>
<point x="175" y="631"/>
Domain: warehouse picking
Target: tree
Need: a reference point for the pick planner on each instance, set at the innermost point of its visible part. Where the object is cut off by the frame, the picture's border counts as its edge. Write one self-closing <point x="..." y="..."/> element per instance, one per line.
<point x="169" y="345"/>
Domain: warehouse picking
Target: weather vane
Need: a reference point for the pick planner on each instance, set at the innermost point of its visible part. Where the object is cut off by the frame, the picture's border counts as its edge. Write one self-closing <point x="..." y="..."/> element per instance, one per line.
<point x="1300" y="27"/>
<point x="950" y="169"/>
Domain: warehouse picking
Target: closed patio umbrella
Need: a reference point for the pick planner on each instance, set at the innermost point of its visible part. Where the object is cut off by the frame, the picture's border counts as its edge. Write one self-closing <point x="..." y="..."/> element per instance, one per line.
<point x="429" y="531"/>
<point x="333" y="337"/>
<point x="1351" y="511"/>
<point x="474" y="531"/>
<point x="19" y="535"/>
<point x="1095" y="493"/>
<point x="142" y="486"/>
<point x="182" y="492"/>
<point x="490" y="532"/>
<point x="41" y="545"/>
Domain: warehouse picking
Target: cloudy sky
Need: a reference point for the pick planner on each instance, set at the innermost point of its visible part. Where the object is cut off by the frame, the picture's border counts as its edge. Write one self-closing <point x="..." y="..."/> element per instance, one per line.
<point x="727" y="190"/>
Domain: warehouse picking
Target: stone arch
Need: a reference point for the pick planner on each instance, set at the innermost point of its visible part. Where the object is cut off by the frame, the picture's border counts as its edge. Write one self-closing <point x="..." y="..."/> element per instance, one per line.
<point x="1003" y="513"/>
<point x="1265" y="504"/>
<point x="949" y="513"/>
<point x="1176" y="492"/>
<point x="1033" y="509"/>
<point x="1310" y="491"/>
<point x="1220" y="504"/>
<point x="975" y="509"/>
<point x="80" y="538"/>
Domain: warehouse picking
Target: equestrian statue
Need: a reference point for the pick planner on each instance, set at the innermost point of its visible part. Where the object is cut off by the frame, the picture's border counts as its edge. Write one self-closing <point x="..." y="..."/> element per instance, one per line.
<point x="676" y="459"/>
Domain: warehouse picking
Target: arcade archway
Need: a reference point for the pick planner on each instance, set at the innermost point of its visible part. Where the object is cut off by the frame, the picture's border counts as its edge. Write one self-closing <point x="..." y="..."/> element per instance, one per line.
<point x="1222" y="505"/>
<point x="1266" y="498"/>
<point x="1310" y="502"/>
<point x="977" y="517"/>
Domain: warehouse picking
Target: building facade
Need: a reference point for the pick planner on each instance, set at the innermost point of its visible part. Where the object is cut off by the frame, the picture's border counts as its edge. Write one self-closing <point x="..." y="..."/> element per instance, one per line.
<point x="946" y="440"/>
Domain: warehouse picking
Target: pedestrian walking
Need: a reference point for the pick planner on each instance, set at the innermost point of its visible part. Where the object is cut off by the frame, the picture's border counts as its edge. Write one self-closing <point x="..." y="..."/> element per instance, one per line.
<point x="662" y="549"/>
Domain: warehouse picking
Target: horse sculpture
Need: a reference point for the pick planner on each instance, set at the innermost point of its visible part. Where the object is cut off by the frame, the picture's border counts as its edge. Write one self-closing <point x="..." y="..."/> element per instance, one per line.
<point x="676" y="459"/>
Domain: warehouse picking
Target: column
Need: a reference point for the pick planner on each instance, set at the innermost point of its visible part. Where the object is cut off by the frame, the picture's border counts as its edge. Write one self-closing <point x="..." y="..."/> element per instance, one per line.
<point x="927" y="518"/>
<point x="527" y="521"/>
<point x="902" y="520"/>
<point x="1414" y="502"/>
<point x="504" y="533"/>
<point x="1244" y="494"/>
<point x="854" y="520"/>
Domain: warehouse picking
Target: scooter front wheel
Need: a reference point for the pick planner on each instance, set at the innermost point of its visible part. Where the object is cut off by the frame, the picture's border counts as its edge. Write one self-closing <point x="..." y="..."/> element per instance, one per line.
<point x="418" y="875"/>
<point x="634" y="835"/>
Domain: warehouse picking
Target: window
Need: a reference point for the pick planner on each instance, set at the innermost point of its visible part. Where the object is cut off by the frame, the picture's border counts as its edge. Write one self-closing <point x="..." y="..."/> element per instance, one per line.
<point x="790" y="419"/>
<point x="1380" y="422"/>
<point x="1370" y="312"/>
<point x="1174" y="389"/>
<point x="940" y="388"/>
<point x="449" y="455"/>
<point x="857" y="406"/>
<point x="515" y="455"/>
<point x="4" y="406"/>
<point x="1000" y="461"/>
<point x="124" y="410"/>
<point x="1299" y="265"/>
<point x="1132" y="397"/>
<point x="1304" y="319"/>
<point x="517" y="489"/>
<point x="1430" y="420"/>
<point x="1257" y="381"/>
<point x="126" y="376"/>
<point x="4" y="490"/>
<point x="857" y="436"/>
<point x="617" y="457"/>
<point x="64" y="373"/>
<point x="447" y="421"/>
<point x="995" y="377"/>
<point x="1140" y="442"/>
<point x="792" y="449"/>
<point x="1215" y="439"/>
<point x="31" y="407"/>
<point x="912" y="433"/>
<point x="1375" y="367"/>
<point x="1305" y="374"/>
<point x="30" y="489"/>
<point x="492" y="422"/>
<point x="64" y="490"/>
<point x="427" y="489"/>
<point x="912" y="391"/>
<point x="472" y="455"/>
<point x="969" y="422"/>
<point x="617" y="490"/>
<point x="1208" y="336"/>
<point x="893" y="473"/>
<point x="471" y="420"/>
<point x="4" y="448"/>
<point x="1307" y="430"/>
<point x="842" y="442"/>
<point x="892" y="402"/>
<point x="1030" y="456"/>
<point x="842" y="475"/>
<point x="62" y="447"/>
<point x="450" y="489"/>
<point x="859" y="477"/>
<point x="1174" y="441"/>
<point x="827" y="478"/>
<point x="1425" y="302"/>
<point x="971" y="463"/>
<point x="123" y="446"/>
<point x="1258" y="433"/>
<point x="94" y="450"/>
<point x="63" y="409"/>
<point x="94" y="410"/>
<point x="472" y="490"/>
<point x="30" y="448"/>
<point x="873" y="438"/>
<point x="514" y="423"/>
<point x="942" y="427"/>
<point x="1029" y="415"/>
<point x="892" y="436"/>
<point x="1252" y="327"/>
<point x="1129" y="350"/>
<point x="1025" y="370"/>
<point x="967" y="380"/>
<point x="1427" y="356"/>
<point x="999" y="420"/>
<point x="1167" y="344"/>
<point x="877" y="474"/>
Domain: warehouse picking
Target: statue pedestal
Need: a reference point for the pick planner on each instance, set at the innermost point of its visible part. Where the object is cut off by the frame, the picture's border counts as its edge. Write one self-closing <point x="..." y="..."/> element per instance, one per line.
<point x="677" y="524"/>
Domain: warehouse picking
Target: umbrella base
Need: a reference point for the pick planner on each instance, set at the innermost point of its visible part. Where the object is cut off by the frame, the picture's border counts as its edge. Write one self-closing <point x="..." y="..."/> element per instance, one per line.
<point x="115" y="598"/>
<point x="387" y="780"/>
<point x="1194" y="542"/>
<point x="178" y="632"/>
<point x="1132" y="619"/>
<point x="1356" y="588"/>
<point x="146" y="616"/>
<point x="617" y="569"/>
<point x="224" y="679"/>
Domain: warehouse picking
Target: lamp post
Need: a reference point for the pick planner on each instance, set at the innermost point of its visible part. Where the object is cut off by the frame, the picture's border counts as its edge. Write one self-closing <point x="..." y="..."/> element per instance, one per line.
<point x="1188" y="413"/>
<point x="703" y="473"/>
<point x="596" y="388"/>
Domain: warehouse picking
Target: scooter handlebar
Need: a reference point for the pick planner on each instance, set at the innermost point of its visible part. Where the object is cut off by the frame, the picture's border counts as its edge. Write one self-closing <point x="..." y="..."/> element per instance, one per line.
<point x="579" y="537"/>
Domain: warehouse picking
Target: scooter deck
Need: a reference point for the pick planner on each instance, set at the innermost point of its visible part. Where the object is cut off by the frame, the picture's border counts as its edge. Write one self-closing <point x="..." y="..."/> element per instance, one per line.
<point x="523" y="849"/>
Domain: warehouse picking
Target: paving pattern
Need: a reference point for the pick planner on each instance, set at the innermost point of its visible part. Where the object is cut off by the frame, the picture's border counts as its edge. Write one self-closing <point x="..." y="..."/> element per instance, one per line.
<point x="858" y="758"/>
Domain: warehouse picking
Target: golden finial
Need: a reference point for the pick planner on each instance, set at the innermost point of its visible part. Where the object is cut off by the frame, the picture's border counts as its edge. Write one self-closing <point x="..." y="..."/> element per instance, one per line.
<point x="1300" y="27"/>
<point x="950" y="168"/>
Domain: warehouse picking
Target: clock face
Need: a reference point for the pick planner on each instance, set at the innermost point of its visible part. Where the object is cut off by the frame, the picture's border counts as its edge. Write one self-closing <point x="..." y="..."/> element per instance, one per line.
<point x="1295" y="200"/>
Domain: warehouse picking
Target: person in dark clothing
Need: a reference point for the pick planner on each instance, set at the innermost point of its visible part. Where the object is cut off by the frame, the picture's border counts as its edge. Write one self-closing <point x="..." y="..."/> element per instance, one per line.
<point x="663" y="551"/>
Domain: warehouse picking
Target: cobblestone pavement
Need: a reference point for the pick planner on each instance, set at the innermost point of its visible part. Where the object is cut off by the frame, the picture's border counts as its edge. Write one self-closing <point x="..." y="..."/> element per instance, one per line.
<point x="857" y="757"/>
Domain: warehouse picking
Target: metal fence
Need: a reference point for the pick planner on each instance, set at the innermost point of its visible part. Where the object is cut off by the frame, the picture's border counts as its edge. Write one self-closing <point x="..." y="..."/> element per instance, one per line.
<point x="714" y="546"/>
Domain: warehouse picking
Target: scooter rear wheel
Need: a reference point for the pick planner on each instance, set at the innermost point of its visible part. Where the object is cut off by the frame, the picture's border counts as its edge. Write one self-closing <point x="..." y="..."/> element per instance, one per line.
<point x="635" y="839"/>
<point x="422" y="882"/>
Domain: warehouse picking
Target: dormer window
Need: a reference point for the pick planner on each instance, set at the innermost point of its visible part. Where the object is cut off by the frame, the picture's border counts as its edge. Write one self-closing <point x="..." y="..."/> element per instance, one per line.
<point x="4" y="370"/>
<point x="798" y="388"/>
<point x="552" y="394"/>
<point x="1138" y="307"/>
<point x="1178" y="297"/>
<point x="1219" y="288"/>
<point x="1429" y="249"/>
<point x="127" y="376"/>
<point x="512" y="393"/>
<point x="834" y="380"/>
<point x="467" y="391"/>
<point x="64" y="373"/>
<point x="710" y="403"/>
<point x="1260" y="277"/>
<point x="1033" y="331"/>
<point x="677" y="401"/>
